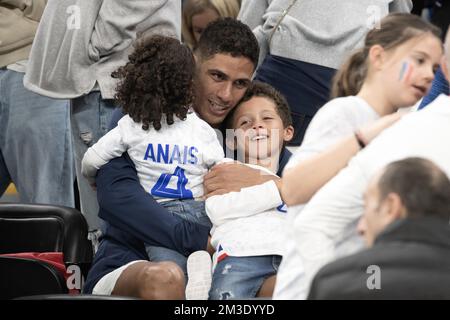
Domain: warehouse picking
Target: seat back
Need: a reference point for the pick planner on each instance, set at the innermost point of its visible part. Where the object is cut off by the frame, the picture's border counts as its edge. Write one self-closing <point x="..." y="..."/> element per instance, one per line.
<point x="45" y="228"/>
<point x="24" y="277"/>
<point x="31" y="228"/>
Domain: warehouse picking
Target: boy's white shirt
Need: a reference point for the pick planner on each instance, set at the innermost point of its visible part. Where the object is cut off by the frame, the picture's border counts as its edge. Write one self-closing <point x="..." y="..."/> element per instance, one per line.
<point x="129" y="136"/>
<point x="248" y="223"/>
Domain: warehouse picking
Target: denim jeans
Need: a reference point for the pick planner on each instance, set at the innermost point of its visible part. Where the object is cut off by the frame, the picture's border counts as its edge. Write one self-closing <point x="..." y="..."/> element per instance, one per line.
<point x="90" y="118"/>
<point x="35" y="144"/>
<point x="242" y="277"/>
<point x="190" y="210"/>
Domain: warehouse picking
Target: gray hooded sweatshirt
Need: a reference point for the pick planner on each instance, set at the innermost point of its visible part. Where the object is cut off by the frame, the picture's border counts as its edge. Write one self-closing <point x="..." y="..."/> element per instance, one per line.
<point x="321" y="32"/>
<point x="80" y="42"/>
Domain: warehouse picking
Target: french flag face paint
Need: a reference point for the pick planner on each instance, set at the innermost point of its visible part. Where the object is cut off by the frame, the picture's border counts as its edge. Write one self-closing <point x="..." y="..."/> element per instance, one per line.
<point x="405" y="72"/>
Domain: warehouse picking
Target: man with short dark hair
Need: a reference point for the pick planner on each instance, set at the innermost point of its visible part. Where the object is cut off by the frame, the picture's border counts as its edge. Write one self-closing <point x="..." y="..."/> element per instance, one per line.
<point x="227" y="47"/>
<point x="226" y="60"/>
<point x="406" y="224"/>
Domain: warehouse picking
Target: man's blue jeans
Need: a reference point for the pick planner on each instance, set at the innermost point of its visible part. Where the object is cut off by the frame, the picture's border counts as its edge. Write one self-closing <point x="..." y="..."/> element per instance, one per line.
<point x="190" y="210"/>
<point x="35" y="144"/>
<point x="90" y="119"/>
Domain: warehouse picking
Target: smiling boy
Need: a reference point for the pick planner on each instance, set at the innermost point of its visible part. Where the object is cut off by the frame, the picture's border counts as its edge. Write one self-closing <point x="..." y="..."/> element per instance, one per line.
<point x="248" y="225"/>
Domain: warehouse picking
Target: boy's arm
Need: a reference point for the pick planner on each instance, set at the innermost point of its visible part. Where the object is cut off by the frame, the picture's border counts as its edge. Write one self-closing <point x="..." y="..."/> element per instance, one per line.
<point x="127" y="206"/>
<point x="249" y="201"/>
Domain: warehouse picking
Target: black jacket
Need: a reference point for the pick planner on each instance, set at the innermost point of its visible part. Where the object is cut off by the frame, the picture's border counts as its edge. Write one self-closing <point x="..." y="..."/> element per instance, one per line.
<point x="413" y="256"/>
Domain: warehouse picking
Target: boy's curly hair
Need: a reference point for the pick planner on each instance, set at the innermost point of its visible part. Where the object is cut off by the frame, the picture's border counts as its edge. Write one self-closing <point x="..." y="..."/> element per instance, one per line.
<point x="157" y="81"/>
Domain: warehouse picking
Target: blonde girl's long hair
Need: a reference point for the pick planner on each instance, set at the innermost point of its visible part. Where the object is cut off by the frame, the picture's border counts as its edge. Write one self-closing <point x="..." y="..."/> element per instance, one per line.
<point x="224" y="8"/>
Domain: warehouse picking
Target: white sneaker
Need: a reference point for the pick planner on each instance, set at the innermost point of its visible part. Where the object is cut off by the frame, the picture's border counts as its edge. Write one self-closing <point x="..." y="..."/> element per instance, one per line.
<point x="199" y="276"/>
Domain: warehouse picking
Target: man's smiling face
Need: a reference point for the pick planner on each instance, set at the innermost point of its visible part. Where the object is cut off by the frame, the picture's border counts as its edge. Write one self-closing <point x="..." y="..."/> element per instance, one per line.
<point x="220" y="82"/>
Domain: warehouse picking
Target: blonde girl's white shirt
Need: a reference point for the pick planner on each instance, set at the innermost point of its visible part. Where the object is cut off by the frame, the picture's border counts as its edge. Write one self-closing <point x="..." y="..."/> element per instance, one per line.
<point x="337" y="119"/>
<point x="250" y="222"/>
<point x="167" y="161"/>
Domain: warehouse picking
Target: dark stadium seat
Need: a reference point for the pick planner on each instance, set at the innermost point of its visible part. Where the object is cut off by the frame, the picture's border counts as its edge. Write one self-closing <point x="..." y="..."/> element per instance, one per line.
<point x="40" y="228"/>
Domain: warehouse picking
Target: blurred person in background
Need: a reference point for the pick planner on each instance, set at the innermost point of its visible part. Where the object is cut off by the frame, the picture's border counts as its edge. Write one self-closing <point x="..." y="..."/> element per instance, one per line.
<point x="406" y="227"/>
<point x="303" y="43"/>
<point x="35" y="140"/>
<point x="78" y="45"/>
<point x="197" y="14"/>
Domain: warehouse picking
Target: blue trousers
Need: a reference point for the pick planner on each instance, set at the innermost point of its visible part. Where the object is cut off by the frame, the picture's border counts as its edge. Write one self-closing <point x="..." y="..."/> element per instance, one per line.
<point x="190" y="210"/>
<point x="90" y="119"/>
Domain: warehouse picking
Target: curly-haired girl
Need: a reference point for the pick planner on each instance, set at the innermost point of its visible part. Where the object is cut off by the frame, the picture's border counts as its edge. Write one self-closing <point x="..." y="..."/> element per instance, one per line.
<point x="171" y="147"/>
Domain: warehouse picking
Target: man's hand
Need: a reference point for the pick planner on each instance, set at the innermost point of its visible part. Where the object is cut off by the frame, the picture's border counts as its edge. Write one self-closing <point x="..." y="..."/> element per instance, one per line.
<point x="233" y="176"/>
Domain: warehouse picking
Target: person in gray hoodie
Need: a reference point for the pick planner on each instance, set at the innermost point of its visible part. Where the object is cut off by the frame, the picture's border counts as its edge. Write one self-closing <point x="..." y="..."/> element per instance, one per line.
<point x="41" y="171"/>
<point x="77" y="46"/>
<point x="302" y="43"/>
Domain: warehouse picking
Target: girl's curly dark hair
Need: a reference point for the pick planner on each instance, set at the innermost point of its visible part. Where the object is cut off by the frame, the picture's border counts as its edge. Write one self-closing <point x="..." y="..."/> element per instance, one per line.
<point x="157" y="81"/>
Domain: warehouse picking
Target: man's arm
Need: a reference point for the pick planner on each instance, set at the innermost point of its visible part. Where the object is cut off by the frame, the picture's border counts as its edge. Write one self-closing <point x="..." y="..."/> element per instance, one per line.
<point x="229" y="177"/>
<point x="126" y="205"/>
